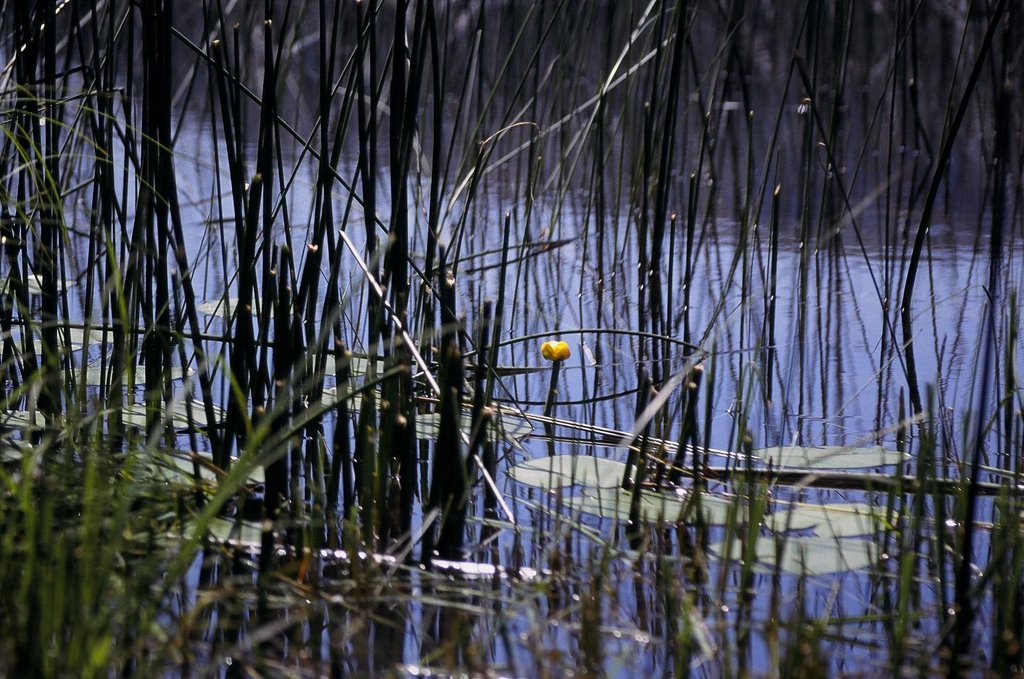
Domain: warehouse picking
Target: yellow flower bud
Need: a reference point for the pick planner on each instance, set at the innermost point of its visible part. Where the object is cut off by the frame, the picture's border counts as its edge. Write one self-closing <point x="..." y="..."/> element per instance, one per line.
<point x="554" y="351"/>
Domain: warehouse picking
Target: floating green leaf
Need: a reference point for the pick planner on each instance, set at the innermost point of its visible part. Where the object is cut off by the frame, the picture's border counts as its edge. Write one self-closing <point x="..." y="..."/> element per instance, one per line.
<point x="508" y="428"/>
<point x="603" y="496"/>
<point x="838" y="520"/>
<point x="216" y="307"/>
<point x="20" y="419"/>
<point x="829" y="457"/>
<point x="357" y="365"/>
<point x="804" y="555"/>
<point x="34" y="284"/>
<point x="569" y="470"/>
<point x="76" y="338"/>
<point x="235" y="532"/>
<point x="177" y="412"/>
<point x="615" y="503"/>
<point x="178" y="468"/>
<point x="671" y="507"/>
<point x="96" y="375"/>
<point x="13" y="451"/>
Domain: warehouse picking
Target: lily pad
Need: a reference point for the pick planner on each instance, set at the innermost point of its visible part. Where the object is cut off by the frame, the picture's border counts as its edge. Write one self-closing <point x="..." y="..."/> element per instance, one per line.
<point x="76" y="336"/>
<point x="176" y="412"/>
<point x="829" y="457"/>
<point x="358" y="365"/>
<point x="235" y="532"/>
<point x="13" y="451"/>
<point x="717" y="511"/>
<point x="615" y="503"/>
<point x="805" y="555"/>
<point x="95" y="375"/>
<point x="839" y="520"/>
<point x="568" y="470"/>
<point x="508" y="428"/>
<point x="20" y="419"/>
<point x="177" y="468"/>
<point x="34" y="284"/>
<point x="602" y="495"/>
<point x="216" y="307"/>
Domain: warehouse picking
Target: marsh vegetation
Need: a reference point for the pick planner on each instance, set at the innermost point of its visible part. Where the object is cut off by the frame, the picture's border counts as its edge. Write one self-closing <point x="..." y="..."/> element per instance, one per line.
<point x="525" y="338"/>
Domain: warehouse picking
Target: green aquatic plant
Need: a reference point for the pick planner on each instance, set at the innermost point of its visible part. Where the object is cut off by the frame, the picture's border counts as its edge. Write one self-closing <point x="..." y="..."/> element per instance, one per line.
<point x="271" y="386"/>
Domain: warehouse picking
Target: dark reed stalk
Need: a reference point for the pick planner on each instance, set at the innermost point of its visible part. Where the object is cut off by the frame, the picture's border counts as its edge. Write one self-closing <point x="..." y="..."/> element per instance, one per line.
<point x="643" y="187"/>
<point x="499" y="304"/>
<point x="480" y="413"/>
<point x="301" y="480"/>
<point x="426" y="299"/>
<point x="323" y="226"/>
<point x="371" y="474"/>
<point x="367" y="96"/>
<point x="451" y="482"/>
<point x="407" y="68"/>
<point x="771" y="298"/>
<point x="51" y="216"/>
<point x="640" y="452"/>
<point x="689" y="438"/>
<point x="158" y="172"/>
<point x="340" y="478"/>
<point x="183" y="275"/>
<point x="246" y="212"/>
<point x="278" y="472"/>
<point x="35" y="184"/>
<point x="449" y="486"/>
<point x="99" y="118"/>
<point x="484" y="422"/>
<point x="965" y="606"/>
<point x="1008" y="585"/>
<point x="663" y="185"/>
<point x="365" y="461"/>
<point x="939" y="173"/>
<point x="634" y="460"/>
<point x="705" y="165"/>
<point x="8" y="366"/>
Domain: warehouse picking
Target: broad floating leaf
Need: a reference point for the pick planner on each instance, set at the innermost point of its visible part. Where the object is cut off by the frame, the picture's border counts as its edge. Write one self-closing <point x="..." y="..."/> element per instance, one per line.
<point x="20" y="419"/>
<point x="510" y="429"/>
<point x="178" y="468"/>
<point x="615" y="503"/>
<point x="34" y="284"/>
<point x="672" y="507"/>
<point x="505" y="427"/>
<point x="829" y="457"/>
<point x="95" y="375"/>
<point x="216" y="307"/>
<point x="839" y="520"/>
<point x="13" y="451"/>
<point x="569" y="470"/>
<point x="235" y="532"/>
<point x="805" y="555"/>
<point x="76" y="339"/>
<point x="357" y="365"/>
<point x="603" y="496"/>
<point x="177" y="412"/>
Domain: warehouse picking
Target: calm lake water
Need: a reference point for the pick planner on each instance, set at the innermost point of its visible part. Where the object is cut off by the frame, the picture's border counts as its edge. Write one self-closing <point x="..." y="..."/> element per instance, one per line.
<point x="793" y="316"/>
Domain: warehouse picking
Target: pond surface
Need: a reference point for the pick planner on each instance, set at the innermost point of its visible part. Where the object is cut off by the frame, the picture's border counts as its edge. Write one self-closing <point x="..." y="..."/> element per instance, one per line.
<point x="742" y="215"/>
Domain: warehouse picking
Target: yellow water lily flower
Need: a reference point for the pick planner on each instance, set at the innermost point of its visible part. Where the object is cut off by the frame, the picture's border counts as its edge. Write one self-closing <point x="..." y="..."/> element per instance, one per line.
<point x="554" y="351"/>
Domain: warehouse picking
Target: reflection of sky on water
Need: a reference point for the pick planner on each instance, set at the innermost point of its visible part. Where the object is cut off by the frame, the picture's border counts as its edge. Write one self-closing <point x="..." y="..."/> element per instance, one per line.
<point x="826" y="382"/>
<point x="830" y="382"/>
